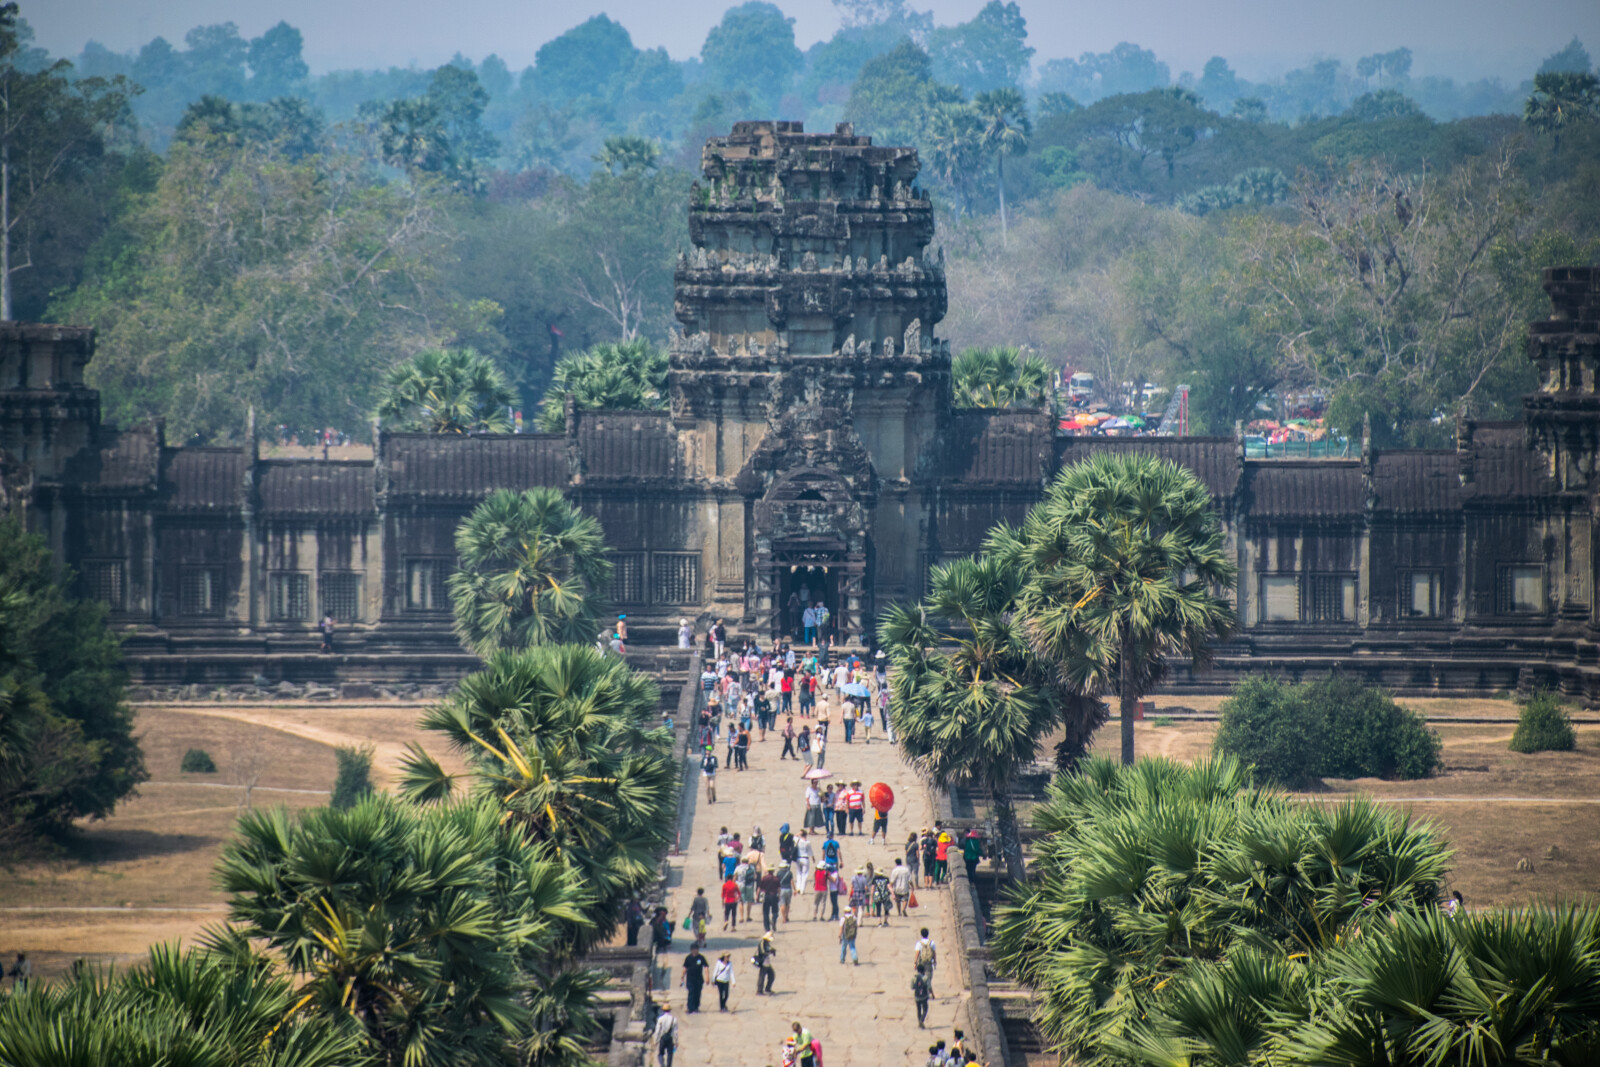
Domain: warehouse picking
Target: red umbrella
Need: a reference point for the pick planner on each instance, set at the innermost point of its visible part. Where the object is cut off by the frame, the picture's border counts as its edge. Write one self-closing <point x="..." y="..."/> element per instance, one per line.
<point x="881" y="796"/>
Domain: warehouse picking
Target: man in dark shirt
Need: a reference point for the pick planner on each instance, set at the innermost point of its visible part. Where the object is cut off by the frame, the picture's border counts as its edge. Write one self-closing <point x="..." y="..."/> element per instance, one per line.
<point x="694" y="977"/>
<point x="771" y="889"/>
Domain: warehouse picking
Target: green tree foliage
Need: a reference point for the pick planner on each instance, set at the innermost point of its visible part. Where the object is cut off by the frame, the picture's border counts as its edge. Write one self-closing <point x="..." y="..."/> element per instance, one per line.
<point x="53" y="133"/>
<point x="533" y="570"/>
<point x="1001" y="378"/>
<point x="247" y="277"/>
<point x="1330" y="727"/>
<point x="447" y="391"/>
<point x="352" y="782"/>
<point x="1573" y="59"/>
<point x="631" y="376"/>
<point x="67" y="749"/>
<point x="985" y="54"/>
<point x="277" y="67"/>
<point x="422" y="928"/>
<point x="584" y="60"/>
<point x="198" y="761"/>
<point x="1006" y="127"/>
<point x="895" y="96"/>
<point x="561" y="739"/>
<point x="753" y="49"/>
<point x="200" y="1008"/>
<point x="972" y="702"/>
<point x="1127" y="68"/>
<point x="1257" y="187"/>
<point x="1560" y="101"/>
<point x="1544" y="726"/>
<point x="1121" y="559"/>
<point x="620" y="155"/>
<point x="1146" y="875"/>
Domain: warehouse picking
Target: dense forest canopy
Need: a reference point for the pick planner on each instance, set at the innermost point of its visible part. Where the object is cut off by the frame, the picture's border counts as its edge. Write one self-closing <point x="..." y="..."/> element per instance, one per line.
<point x="245" y="233"/>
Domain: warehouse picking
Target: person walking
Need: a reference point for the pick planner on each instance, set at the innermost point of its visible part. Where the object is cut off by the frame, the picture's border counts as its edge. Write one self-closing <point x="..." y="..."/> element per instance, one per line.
<point x="881" y="896"/>
<point x="866" y="724"/>
<point x="819" y="882"/>
<point x="847" y="715"/>
<point x="633" y="916"/>
<point x="847" y="937"/>
<point x="802" y="856"/>
<point x="860" y="891"/>
<point x="803" y="744"/>
<point x="708" y="771"/>
<point x="765" y="974"/>
<point x="722" y="978"/>
<point x="770" y="888"/>
<point x="730" y="903"/>
<point x="925" y="956"/>
<point x="972" y="852"/>
<point x="788" y="740"/>
<point x="856" y="804"/>
<point x="785" y="889"/>
<point x="808" y="620"/>
<point x="828" y="809"/>
<point x="665" y="1035"/>
<point x="685" y="634"/>
<point x="929" y="866"/>
<point x="694" y="977"/>
<point x="921" y="993"/>
<point x="699" y="917"/>
<point x="914" y="856"/>
<point x="804" y="1043"/>
<point x="841" y="810"/>
<point x="836" y="886"/>
<point x="832" y="854"/>
<point x="748" y="879"/>
<point x="941" y="854"/>
<point x="821" y="745"/>
<point x="900" y="885"/>
<point x="741" y="749"/>
<point x="327" y="628"/>
<point x="880" y="824"/>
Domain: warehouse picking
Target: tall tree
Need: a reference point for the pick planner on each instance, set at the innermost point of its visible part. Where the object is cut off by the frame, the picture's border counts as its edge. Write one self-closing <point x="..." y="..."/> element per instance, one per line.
<point x="533" y="571"/>
<point x="1006" y="128"/>
<point x="1001" y="378"/>
<point x="973" y="703"/>
<point x="631" y="376"/>
<point x="447" y="391"/>
<point x="1123" y="558"/>
<point x="52" y="128"/>
<point x="753" y="49"/>
<point x="989" y="52"/>
<point x="1560" y="101"/>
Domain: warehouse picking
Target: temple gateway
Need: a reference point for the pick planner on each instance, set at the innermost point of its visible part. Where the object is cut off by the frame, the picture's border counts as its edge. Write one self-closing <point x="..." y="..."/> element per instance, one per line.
<point x="810" y="447"/>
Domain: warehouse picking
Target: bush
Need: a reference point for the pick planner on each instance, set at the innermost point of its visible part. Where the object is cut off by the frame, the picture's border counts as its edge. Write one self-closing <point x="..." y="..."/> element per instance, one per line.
<point x="1268" y="725"/>
<point x="354" y="780"/>
<point x="1333" y="727"/>
<point x="1544" y="726"/>
<point x="198" y="761"/>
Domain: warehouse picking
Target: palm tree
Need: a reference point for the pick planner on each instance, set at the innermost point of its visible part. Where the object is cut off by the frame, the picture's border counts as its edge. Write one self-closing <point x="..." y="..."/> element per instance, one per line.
<point x="1001" y="378"/>
<point x="1147" y="874"/>
<point x="447" y="391"/>
<point x="409" y="923"/>
<point x="624" y="376"/>
<point x="193" y="1007"/>
<point x="973" y="702"/>
<point x="561" y="737"/>
<point x="1121" y="557"/>
<point x="953" y="142"/>
<point x="1561" y="99"/>
<point x="1004" y="115"/>
<point x="628" y="152"/>
<point x="533" y="570"/>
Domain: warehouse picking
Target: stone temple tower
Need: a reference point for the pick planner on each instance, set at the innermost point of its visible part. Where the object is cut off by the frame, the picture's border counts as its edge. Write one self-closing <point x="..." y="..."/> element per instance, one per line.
<point x="807" y="384"/>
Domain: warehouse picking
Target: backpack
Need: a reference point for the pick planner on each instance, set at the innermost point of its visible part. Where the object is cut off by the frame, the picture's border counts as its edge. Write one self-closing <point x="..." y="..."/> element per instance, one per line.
<point x="830" y="851"/>
<point x="925" y="954"/>
<point x="921" y="988"/>
<point x="849" y="927"/>
<point x="709" y="763"/>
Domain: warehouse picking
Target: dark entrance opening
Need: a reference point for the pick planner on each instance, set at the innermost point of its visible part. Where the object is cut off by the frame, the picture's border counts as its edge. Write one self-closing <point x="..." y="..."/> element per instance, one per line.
<point x="816" y="581"/>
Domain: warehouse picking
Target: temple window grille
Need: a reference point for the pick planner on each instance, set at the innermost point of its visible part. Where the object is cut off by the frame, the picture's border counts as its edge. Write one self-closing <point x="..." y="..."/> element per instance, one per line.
<point x="1333" y="598"/>
<point x="627" y="578"/>
<point x="289" y="596"/>
<point x="339" y="595"/>
<point x="1280" y="598"/>
<point x="1521" y="589"/>
<point x="1419" y="595"/>
<point x="200" y="591"/>
<point x="675" y="578"/>
<point x="103" y="581"/>
<point x="425" y="584"/>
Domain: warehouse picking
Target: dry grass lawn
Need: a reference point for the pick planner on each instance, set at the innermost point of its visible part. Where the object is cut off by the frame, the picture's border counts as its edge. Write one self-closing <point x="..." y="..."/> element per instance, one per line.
<point x="144" y="875"/>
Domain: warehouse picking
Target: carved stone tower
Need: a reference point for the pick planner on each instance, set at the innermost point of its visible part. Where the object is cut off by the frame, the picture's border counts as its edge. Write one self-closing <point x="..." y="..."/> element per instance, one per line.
<point x="807" y="381"/>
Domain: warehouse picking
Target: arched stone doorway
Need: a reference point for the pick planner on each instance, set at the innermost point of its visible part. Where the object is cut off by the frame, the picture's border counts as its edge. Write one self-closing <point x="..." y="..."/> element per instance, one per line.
<point x="810" y="541"/>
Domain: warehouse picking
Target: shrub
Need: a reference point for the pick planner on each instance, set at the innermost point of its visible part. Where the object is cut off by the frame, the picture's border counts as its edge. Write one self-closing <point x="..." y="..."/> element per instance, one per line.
<point x="1269" y="726"/>
<point x="354" y="780"/>
<point x="198" y="761"/>
<point x="1332" y="727"/>
<point x="1544" y="726"/>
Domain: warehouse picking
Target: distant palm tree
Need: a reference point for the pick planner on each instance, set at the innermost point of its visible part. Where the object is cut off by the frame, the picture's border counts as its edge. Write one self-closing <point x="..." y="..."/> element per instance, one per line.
<point x="1006" y="129"/>
<point x="973" y="702"/>
<point x="628" y="152"/>
<point x="1001" y="378"/>
<point x="612" y="376"/>
<point x="447" y="391"/>
<point x="564" y="738"/>
<point x="1121" y="558"/>
<point x="533" y="570"/>
<point x="953" y="144"/>
<point x="1561" y="100"/>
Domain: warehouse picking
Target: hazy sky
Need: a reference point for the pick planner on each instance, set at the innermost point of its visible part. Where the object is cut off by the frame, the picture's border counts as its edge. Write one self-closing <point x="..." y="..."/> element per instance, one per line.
<point x="1260" y="37"/>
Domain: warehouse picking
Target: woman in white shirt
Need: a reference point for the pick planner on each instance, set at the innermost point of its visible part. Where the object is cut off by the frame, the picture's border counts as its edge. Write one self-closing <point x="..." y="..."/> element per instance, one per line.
<point x="722" y="978"/>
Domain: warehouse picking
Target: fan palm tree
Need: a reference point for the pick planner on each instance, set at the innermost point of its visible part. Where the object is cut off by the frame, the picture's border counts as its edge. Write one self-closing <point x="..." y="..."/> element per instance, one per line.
<point x="533" y="570"/>
<point x="973" y="702"/>
<point x="623" y="376"/>
<point x="1121" y="558"/>
<point x="191" y="1007"/>
<point x="561" y="738"/>
<point x="1004" y="116"/>
<point x="1001" y="378"/>
<point x="1561" y="100"/>
<point x="953" y="144"/>
<point x="447" y="391"/>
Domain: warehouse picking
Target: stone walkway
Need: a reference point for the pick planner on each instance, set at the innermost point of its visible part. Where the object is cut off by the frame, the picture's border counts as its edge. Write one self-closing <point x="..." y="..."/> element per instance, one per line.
<point x="863" y="1015"/>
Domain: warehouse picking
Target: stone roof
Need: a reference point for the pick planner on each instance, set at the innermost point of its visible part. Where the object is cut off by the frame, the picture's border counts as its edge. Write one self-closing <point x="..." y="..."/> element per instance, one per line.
<point x="316" y="487"/>
<point x="1502" y="463"/>
<point x="123" y="460"/>
<point x="1304" y="489"/>
<point x="1420" y="482"/>
<point x="628" y="445"/>
<point x="451" y="467"/>
<point x="1214" y="460"/>
<point x="997" y="447"/>
<point x="204" y="479"/>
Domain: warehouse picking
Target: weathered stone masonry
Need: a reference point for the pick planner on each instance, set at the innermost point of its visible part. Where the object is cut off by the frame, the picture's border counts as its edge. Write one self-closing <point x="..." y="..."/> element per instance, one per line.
<point x="810" y="444"/>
